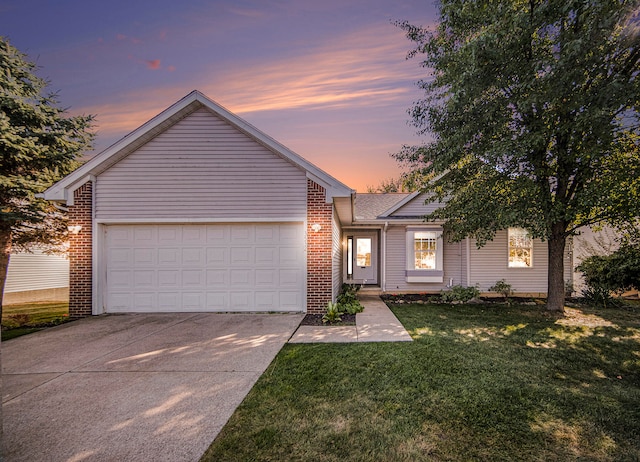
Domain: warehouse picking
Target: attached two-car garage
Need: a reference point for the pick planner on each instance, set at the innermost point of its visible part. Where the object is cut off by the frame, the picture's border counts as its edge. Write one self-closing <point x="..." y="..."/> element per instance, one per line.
<point x="204" y="267"/>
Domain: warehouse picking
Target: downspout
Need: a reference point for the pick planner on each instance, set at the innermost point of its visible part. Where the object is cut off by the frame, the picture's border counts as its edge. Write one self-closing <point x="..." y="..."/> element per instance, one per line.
<point x="383" y="286"/>
<point x="468" y="263"/>
<point x="95" y="284"/>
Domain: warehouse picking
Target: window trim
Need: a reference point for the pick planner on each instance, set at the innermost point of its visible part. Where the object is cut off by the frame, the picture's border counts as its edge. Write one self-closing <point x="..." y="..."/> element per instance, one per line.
<point x="423" y="275"/>
<point x="509" y="263"/>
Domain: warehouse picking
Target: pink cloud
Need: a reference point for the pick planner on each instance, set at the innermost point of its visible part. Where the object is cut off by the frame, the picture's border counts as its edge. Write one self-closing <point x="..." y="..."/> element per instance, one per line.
<point x="153" y="64"/>
<point x="171" y="68"/>
<point x="121" y="36"/>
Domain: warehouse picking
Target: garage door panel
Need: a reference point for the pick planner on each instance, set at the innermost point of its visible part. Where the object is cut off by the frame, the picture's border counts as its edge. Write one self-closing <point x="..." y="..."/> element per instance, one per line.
<point x="217" y="301"/>
<point x="242" y="256"/>
<point x="145" y="301"/>
<point x="120" y="279"/>
<point x="266" y="278"/>
<point x="169" y="278"/>
<point x="217" y="256"/>
<point x="145" y="278"/>
<point x="217" y="278"/>
<point x="241" y="300"/>
<point x="241" y="277"/>
<point x="242" y="234"/>
<point x="289" y="300"/>
<point x="168" y="301"/>
<point x="216" y="267"/>
<point x="169" y="256"/>
<point x="193" y="301"/>
<point x="144" y="235"/>
<point x="193" y="256"/>
<point x="144" y="256"/>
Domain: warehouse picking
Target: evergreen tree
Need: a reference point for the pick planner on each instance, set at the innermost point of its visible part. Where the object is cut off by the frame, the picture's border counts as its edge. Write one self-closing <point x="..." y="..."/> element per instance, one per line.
<point x="39" y="144"/>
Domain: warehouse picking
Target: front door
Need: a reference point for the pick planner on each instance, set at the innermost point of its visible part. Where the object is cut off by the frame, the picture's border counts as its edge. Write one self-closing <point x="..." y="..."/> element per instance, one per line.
<point x="364" y="258"/>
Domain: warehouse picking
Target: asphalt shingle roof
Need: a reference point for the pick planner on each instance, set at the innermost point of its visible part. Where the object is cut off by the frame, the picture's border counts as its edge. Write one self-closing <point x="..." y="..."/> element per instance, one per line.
<point x="369" y="206"/>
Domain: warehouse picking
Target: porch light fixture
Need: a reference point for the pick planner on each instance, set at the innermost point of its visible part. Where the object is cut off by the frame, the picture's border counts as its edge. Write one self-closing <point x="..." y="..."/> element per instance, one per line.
<point x="316" y="227"/>
<point x="74" y="229"/>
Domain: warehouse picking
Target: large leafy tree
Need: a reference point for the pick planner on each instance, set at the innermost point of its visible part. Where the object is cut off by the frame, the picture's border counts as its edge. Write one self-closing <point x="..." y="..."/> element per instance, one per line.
<point x="39" y="144"/>
<point x="532" y="106"/>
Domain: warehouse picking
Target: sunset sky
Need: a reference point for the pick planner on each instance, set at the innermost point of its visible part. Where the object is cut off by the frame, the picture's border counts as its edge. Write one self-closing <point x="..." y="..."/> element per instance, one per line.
<point x="327" y="78"/>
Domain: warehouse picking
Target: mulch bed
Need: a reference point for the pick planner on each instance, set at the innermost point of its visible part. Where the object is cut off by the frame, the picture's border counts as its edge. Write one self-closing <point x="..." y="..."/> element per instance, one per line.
<point x="316" y="320"/>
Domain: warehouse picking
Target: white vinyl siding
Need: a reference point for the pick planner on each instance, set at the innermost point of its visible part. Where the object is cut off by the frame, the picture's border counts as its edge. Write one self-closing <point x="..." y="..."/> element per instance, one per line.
<point x="36" y="271"/>
<point x="213" y="267"/>
<point x="489" y="264"/>
<point x="201" y="167"/>
<point x="336" y="255"/>
<point x="453" y="264"/>
<point x="416" y="207"/>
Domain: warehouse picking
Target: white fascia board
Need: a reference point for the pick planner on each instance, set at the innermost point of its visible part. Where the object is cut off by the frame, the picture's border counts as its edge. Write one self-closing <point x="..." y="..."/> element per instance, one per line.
<point x="191" y="221"/>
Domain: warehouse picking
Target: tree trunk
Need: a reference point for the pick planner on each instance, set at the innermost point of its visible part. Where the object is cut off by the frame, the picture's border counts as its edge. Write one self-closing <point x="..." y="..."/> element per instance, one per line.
<point x="5" y="253"/>
<point x="555" y="276"/>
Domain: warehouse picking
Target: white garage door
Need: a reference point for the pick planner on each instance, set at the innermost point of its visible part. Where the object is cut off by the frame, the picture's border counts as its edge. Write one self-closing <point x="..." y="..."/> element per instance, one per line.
<point x="213" y="267"/>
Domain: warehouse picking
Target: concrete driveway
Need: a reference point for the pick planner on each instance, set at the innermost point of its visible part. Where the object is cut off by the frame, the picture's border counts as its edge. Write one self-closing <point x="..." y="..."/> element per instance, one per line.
<point x="133" y="387"/>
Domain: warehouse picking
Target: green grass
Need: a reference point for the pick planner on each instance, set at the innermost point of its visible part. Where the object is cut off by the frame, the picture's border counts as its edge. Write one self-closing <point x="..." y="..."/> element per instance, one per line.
<point x="485" y="383"/>
<point x="26" y="318"/>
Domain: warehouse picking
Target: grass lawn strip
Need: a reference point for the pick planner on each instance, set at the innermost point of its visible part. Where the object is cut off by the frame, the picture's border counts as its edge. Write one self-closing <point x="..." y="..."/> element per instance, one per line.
<point x="21" y="319"/>
<point x="478" y="383"/>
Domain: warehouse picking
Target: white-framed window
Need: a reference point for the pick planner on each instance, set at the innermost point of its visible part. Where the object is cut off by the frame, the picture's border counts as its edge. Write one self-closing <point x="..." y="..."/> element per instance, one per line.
<point x="520" y="248"/>
<point x="424" y="255"/>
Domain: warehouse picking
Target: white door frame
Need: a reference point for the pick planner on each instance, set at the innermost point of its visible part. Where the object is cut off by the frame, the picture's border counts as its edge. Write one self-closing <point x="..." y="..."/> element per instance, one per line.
<point x="362" y="275"/>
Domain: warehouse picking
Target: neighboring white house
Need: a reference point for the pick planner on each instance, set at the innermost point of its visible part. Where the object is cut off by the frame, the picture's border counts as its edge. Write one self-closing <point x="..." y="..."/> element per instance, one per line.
<point x="36" y="276"/>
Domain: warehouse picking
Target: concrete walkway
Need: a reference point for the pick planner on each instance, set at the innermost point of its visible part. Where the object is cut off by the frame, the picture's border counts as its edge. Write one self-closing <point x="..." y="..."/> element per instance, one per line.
<point x="375" y="324"/>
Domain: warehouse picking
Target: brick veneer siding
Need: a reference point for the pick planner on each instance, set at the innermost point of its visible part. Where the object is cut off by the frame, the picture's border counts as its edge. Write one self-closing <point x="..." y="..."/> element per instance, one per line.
<point x="80" y="253"/>
<point x="319" y="280"/>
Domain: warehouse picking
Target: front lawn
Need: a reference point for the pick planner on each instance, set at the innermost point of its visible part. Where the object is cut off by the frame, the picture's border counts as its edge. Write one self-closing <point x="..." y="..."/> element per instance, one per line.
<point x="485" y="382"/>
<point x="25" y="318"/>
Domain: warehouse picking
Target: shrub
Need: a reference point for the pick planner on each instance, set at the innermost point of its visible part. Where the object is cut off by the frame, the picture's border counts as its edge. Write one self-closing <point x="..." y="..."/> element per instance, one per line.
<point x="501" y="287"/>
<point x="333" y="314"/>
<point x="348" y="299"/>
<point x="611" y="274"/>
<point x="459" y="294"/>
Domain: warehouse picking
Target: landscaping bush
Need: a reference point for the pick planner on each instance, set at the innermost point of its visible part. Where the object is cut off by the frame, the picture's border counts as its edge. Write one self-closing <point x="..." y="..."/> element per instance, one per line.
<point x="333" y="314"/>
<point x="501" y="287"/>
<point x="616" y="273"/>
<point x="459" y="294"/>
<point x="348" y="299"/>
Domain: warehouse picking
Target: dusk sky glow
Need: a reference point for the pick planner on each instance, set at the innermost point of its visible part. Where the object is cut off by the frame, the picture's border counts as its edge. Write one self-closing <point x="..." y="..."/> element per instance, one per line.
<point x="328" y="79"/>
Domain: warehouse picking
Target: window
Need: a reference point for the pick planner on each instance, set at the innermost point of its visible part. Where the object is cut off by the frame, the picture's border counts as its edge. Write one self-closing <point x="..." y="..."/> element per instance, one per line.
<point x="424" y="245"/>
<point x="424" y="255"/>
<point x="520" y="248"/>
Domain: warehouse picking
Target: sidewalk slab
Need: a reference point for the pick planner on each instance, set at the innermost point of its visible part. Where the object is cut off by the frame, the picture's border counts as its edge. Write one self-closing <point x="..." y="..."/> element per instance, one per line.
<point x="375" y="324"/>
<point x="325" y="334"/>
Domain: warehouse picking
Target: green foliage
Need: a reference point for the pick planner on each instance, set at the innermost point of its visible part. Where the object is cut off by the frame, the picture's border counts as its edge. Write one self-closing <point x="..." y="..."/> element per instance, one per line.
<point x="611" y="274"/>
<point x="532" y="108"/>
<point x="501" y="287"/>
<point x="40" y="144"/>
<point x="333" y="313"/>
<point x="348" y="299"/>
<point x="459" y="293"/>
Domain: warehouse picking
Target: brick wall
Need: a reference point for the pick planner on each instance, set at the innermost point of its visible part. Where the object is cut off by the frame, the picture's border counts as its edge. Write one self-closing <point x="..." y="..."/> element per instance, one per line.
<point x="319" y="287"/>
<point x="80" y="253"/>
